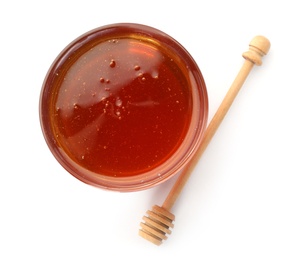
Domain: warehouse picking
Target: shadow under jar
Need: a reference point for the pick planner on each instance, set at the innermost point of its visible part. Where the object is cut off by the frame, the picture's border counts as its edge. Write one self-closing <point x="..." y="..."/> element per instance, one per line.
<point x="123" y="107"/>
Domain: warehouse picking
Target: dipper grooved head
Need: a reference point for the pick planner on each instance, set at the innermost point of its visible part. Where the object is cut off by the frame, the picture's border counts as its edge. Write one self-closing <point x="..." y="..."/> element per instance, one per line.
<point x="157" y="225"/>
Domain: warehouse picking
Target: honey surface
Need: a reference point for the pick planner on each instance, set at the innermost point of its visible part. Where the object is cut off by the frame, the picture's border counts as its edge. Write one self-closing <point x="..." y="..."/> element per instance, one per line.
<point x="122" y="108"/>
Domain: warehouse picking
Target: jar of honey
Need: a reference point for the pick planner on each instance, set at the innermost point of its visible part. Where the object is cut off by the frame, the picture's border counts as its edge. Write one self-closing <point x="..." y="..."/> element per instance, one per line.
<point x="123" y="107"/>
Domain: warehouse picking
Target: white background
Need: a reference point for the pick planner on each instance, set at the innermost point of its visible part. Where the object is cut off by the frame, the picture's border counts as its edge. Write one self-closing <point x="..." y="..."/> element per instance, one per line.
<point x="239" y="202"/>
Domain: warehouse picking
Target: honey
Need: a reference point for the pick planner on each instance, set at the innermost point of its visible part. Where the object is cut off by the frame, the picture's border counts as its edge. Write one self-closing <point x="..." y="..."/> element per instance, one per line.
<point x="119" y="105"/>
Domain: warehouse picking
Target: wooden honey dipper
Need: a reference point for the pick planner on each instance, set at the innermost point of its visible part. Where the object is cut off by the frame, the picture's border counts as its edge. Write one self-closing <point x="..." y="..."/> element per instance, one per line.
<point x="159" y="221"/>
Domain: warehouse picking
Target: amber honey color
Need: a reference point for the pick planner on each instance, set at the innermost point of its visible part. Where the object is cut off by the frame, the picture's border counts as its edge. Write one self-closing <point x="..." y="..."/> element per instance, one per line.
<point x="122" y="108"/>
<point x="119" y="105"/>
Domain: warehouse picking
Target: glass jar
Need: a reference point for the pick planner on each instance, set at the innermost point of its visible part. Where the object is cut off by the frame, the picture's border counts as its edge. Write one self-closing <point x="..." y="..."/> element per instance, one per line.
<point x="123" y="107"/>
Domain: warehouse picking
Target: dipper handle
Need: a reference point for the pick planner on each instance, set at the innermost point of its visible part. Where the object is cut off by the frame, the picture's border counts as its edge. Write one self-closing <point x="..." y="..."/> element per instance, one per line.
<point x="159" y="221"/>
<point x="258" y="47"/>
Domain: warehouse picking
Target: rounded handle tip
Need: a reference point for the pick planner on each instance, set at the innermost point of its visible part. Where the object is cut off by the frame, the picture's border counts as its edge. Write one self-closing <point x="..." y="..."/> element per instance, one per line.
<point x="261" y="43"/>
<point x="258" y="47"/>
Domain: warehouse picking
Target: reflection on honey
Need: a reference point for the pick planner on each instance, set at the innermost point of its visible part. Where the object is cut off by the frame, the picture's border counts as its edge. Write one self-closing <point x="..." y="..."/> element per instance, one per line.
<point x="123" y="107"/>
